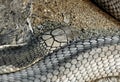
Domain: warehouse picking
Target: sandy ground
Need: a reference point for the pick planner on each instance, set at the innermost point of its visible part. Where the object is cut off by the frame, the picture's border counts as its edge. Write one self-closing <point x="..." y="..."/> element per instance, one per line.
<point x="78" y="13"/>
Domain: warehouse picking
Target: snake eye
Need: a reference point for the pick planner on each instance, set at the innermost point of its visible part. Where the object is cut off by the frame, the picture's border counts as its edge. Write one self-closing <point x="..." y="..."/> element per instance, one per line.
<point x="12" y="12"/>
<point x="27" y="23"/>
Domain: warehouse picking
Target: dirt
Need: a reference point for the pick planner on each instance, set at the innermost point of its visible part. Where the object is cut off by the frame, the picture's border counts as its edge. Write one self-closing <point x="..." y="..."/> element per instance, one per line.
<point x="78" y="13"/>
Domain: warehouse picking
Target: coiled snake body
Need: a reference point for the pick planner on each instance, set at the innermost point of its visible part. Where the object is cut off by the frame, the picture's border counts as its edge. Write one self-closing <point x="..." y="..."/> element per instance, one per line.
<point x="56" y="58"/>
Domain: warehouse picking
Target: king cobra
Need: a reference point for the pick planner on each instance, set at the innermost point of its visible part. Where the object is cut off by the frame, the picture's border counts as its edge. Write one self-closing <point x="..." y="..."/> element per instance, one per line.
<point x="54" y="56"/>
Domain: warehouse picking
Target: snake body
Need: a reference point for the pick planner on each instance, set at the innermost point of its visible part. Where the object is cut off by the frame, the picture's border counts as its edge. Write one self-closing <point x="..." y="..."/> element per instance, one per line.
<point x="77" y="62"/>
<point x="63" y="59"/>
<point x="110" y="6"/>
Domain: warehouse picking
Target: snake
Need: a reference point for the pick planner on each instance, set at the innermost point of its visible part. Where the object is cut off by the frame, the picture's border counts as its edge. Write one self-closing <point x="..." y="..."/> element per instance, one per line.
<point x="55" y="56"/>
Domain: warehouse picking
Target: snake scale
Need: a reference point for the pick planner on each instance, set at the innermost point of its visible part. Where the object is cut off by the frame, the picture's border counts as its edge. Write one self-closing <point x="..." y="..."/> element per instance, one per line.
<point x="53" y="56"/>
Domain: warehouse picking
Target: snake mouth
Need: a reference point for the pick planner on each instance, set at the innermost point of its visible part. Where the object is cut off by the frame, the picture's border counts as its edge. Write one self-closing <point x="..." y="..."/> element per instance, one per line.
<point x="11" y="45"/>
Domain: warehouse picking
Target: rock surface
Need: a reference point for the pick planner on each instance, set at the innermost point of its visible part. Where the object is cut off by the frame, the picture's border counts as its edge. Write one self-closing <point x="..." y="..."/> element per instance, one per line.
<point x="14" y="22"/>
